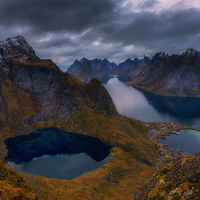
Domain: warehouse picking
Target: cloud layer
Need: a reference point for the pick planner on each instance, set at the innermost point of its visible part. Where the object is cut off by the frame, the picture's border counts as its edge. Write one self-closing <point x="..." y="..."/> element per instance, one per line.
<point x="66" y="30"/>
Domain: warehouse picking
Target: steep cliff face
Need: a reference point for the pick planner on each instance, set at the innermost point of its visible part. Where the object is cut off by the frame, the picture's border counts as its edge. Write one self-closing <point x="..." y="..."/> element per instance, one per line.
<point x="176" y="75"/>
<point x="52" y="93"/>
<point x="133" y="67"/>
<point x="180" y="180"/>
<point x="82" y="70"/>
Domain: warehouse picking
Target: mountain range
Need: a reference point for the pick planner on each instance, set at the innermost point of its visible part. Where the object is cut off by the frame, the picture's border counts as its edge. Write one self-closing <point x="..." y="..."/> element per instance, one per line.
<point x="36" y="95"/>
<point x="86" y="69"/>
<point x="163" y="74"/>
<point x="175" y="75"/>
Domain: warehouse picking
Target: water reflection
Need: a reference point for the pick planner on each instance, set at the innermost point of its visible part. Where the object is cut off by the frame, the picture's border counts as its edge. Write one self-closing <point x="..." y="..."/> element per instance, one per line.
<point x="55" y="153"/>
<point x="62" y="166"/>
<point x="122" y="78"/>
<point x="148" y="107"/>
<point x="182" y="107"/>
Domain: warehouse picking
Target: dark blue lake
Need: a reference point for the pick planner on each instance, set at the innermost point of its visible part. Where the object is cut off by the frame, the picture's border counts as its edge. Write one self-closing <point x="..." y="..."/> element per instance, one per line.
<point x="148" y="107"/>
<point x="54" y="153"/>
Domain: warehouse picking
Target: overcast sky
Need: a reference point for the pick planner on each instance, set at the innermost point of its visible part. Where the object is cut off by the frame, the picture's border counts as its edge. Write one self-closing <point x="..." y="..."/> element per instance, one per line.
<point x="65" y="30"/>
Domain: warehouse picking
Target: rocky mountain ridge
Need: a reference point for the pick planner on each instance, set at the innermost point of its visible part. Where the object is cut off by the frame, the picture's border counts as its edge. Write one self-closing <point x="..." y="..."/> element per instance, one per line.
<point x="163" y="74"/>
<point x="15" y="47"/>
<point x="175" y="75"/>
<point x="86" y="69"/>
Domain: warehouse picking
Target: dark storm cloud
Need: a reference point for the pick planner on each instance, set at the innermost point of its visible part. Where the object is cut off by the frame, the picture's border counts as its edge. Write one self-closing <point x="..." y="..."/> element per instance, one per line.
<point x="59" y="41"/>
<point x="60" y="15"/>
<point x="147" y="4"/>
<point x="70" y="29"/>
<point x="100" y="19"/>
<point x="151" y="29"/>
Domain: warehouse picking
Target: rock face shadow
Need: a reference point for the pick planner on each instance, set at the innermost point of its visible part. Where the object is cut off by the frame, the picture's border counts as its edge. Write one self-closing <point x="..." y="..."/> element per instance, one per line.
<point x="51" y="141"/>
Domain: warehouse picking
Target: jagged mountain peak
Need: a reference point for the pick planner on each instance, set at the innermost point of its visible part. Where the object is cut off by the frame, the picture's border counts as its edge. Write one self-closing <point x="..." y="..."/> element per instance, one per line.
<point x="83" y="60"/>
<point x="76" y="61"/>
<point x="161" y="54"/>
<point x="13" y="40"/>
<point x="128" y="60"/>
<point x="190" y="52"/>
<point x="158" y="57"/>
<point x="148" y="57"/>
<point x="15" y="47"/>
<point x="87" y="69"/>
<point x="105" y="60"/>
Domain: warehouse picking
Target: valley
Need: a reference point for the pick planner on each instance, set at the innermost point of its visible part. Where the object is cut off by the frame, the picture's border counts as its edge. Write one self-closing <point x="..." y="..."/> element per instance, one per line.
<point x="35" y="95"/>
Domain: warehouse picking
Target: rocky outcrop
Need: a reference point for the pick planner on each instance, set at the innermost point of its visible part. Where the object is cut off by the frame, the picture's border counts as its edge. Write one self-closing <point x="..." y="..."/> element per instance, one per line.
<point x="175" y="75"/>
<point x="16" y="48"/>
<point x="180" y="180"/>
<point x="97" y="92"/>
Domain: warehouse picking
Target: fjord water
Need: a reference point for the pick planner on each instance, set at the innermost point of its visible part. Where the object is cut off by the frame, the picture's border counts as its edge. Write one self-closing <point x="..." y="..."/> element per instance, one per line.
<point x="148" y="107"/>
<point x="62" y="166"/>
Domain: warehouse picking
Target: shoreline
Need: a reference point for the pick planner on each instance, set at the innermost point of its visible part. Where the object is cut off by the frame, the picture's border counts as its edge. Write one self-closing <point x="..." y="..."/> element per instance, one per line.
<point x="163" y="130"/>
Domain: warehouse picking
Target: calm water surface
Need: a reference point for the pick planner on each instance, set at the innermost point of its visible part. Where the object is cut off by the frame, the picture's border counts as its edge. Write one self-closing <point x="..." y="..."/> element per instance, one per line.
<point x="188" y="141"/>
<point x="62" y="166"/>
<point x="148" y="107"/>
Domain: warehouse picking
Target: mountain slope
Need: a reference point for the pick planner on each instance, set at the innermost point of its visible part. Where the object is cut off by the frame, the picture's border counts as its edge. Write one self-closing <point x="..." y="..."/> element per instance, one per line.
<point x="134" y="66"/>
<point x="59" y="94"/>
<point x="180" y="180"/>
<point x="176" y="75"/>
<point x="36" y="94"/>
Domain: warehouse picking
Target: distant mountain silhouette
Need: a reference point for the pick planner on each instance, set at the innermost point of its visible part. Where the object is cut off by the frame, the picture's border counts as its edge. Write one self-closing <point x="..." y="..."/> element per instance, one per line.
<point x="175" y="75"/>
